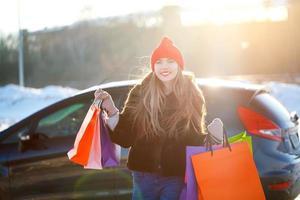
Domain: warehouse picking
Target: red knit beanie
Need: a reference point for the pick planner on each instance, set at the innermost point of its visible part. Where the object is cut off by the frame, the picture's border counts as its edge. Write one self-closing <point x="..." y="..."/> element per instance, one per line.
<point x="166" y="49"/>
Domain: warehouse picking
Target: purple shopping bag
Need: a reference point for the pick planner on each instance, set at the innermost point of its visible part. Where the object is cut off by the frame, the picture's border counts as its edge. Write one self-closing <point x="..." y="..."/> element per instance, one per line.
<point x="190" y="191"/>
<point x="110" y="152"/>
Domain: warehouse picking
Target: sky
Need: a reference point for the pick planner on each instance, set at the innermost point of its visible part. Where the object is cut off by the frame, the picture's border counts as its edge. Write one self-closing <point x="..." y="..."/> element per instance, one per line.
<point x="39" y="14"/>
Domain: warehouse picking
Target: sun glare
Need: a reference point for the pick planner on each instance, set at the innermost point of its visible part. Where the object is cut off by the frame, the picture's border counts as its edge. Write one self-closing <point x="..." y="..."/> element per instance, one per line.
<point x="222" y="12"/>
<point x="35" y="15"/>
<point x="213" y="82"/>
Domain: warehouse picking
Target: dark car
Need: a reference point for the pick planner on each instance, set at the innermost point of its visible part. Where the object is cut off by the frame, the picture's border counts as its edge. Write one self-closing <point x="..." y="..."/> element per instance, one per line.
<point x="33" y="152"/>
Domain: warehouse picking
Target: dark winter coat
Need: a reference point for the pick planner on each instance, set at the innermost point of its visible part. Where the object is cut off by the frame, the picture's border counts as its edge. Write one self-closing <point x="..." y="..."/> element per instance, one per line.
<point x="163" y="155"/>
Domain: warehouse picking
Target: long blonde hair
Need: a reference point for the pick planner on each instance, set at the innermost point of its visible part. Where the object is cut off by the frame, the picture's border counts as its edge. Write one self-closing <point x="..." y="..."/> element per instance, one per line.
<point x="149" y="108"/>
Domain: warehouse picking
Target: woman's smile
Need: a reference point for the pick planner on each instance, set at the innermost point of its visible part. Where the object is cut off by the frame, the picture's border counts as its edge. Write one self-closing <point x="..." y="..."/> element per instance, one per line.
<point x="165" y="73"/>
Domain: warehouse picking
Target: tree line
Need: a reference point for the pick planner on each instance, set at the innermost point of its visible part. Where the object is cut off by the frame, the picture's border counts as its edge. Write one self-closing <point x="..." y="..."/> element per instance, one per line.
<point x="97" y="51"/>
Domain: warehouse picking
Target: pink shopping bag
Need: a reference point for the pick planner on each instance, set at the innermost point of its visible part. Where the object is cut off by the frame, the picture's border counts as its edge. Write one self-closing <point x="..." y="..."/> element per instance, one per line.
<point x="80" y="153"/>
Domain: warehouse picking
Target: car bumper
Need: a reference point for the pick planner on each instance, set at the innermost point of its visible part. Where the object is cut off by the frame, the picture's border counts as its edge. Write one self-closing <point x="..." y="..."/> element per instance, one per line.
<point x="287" y="191"/>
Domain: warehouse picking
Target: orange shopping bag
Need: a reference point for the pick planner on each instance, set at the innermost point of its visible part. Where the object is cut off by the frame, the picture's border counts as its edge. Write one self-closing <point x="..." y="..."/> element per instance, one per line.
<point x="94" y="161"/>
<point x="227" y="174"/>
<point x="80" y="154"/>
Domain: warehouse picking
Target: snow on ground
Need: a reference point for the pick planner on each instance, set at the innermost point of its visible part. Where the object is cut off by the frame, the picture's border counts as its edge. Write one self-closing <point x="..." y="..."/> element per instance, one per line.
<point x="18" y="102"/>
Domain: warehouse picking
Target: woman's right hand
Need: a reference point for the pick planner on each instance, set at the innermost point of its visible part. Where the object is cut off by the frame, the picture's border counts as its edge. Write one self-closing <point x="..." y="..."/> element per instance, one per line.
<point x="107" y="103"/>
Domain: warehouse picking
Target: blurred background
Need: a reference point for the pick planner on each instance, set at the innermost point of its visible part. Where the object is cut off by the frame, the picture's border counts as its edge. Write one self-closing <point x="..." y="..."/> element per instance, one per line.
<point x="82" y="43"/>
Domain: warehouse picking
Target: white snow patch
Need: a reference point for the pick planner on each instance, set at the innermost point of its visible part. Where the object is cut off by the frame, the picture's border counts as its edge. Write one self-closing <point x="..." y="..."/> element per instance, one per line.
<point x="18" y="102"/>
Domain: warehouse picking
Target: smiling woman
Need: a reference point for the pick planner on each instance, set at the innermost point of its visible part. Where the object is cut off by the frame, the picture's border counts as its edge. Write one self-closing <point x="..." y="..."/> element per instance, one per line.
<point x="162" y="114"/>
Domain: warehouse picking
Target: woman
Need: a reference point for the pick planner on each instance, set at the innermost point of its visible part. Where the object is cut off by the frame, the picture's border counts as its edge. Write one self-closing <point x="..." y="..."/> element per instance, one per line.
<point x="162" y="115"/>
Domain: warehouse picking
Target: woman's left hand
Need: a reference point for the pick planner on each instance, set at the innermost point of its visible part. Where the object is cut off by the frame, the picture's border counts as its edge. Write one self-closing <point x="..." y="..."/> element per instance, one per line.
<point x="216" y="128"/>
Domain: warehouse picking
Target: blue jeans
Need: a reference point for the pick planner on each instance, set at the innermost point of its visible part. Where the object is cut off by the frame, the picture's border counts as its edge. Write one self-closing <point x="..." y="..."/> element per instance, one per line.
<point x="151" y="186"/>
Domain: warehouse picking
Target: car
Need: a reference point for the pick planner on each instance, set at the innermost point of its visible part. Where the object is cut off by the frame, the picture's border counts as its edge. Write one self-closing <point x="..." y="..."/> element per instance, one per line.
<point x="33" y="152"/>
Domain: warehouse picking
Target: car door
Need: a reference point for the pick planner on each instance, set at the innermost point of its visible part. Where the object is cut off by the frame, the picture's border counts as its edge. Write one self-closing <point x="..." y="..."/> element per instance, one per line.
<point x="43" y="170"/>
<point x="4" y="175"/>
<point x="225" y="107"/>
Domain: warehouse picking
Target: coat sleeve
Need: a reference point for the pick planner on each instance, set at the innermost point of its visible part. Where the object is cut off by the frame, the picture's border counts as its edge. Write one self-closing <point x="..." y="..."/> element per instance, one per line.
<point x="124" y="133"/>
<point x="195" y="138"/>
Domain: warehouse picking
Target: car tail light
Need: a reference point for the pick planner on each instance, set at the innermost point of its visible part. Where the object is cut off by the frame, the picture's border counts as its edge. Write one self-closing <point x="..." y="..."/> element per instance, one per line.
<point x="259" y="125"/>
<point x="280" y="186"/>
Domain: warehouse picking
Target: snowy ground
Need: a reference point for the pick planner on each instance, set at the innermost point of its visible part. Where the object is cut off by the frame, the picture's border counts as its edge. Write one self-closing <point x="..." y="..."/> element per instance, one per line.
<point x="17" y="102"/>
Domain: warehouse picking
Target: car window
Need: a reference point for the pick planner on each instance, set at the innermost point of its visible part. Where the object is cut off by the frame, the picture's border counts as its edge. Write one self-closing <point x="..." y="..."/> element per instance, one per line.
<point x="65" y="121"/>
<point x="225" y="107"/>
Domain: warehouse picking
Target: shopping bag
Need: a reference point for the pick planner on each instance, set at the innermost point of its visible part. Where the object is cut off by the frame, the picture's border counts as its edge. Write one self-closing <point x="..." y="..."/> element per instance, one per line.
<point x="95" y="156"/>
<point x="80" y="153"/>
<point x="216" y="132"/>
<point x="240" y="138"/>
<point x="190" y="190"/>
<point x="227" y="174"/>
<point x="103" y="152"/>
<point x="111" y="153"/>
<point x="93" y="148"/>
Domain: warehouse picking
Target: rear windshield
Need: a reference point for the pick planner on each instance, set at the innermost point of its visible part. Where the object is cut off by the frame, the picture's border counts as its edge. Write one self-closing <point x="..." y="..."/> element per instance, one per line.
<point x="271" y="108"/>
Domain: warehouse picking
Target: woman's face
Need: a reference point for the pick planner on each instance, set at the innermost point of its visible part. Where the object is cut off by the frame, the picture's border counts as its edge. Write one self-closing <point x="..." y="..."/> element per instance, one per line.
<point x="166" y="69"/>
